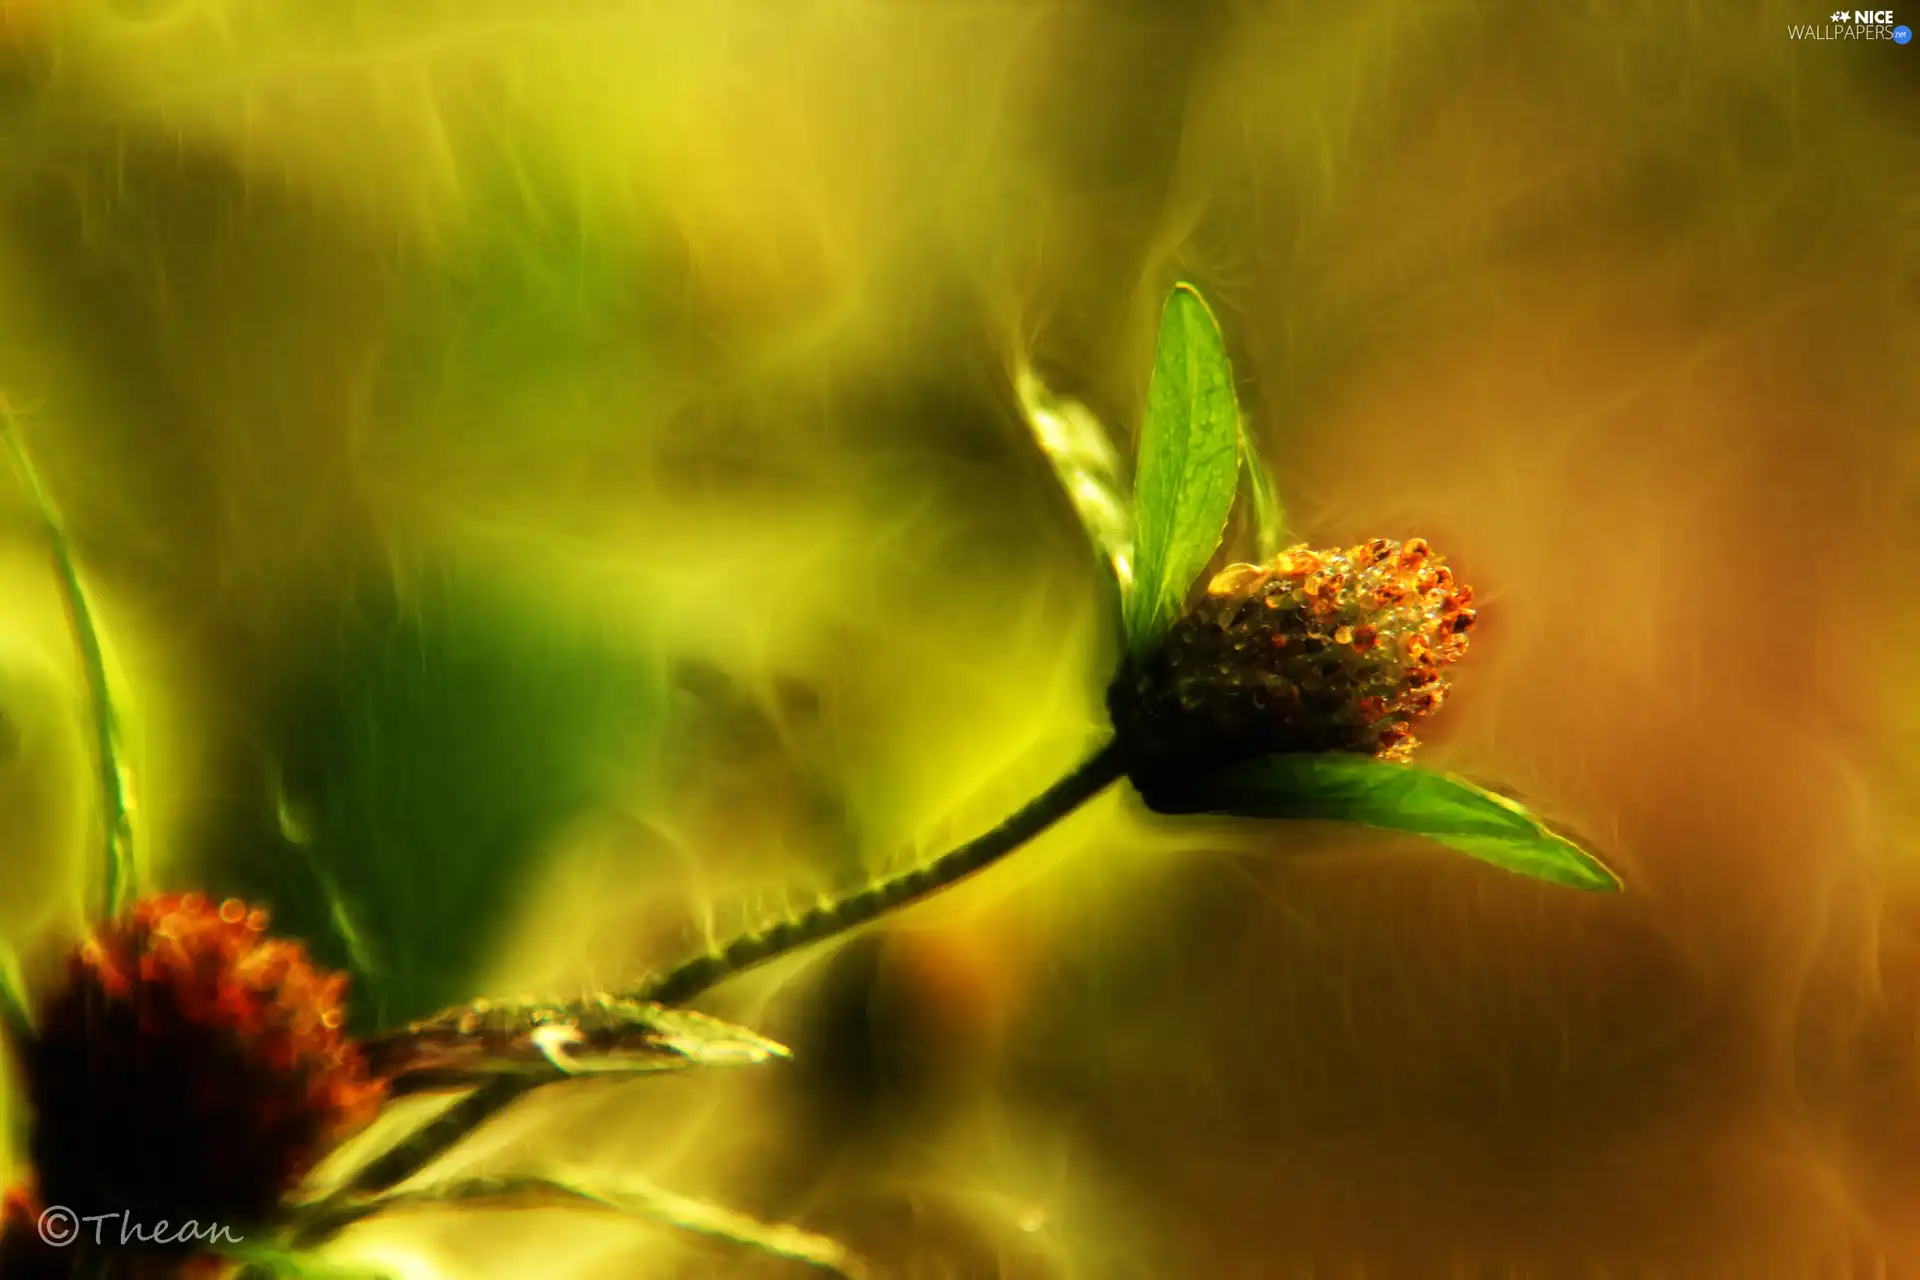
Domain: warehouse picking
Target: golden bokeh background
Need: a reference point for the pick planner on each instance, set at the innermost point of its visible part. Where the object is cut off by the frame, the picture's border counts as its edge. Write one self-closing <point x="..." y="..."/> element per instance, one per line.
<point x="696" y="326"/>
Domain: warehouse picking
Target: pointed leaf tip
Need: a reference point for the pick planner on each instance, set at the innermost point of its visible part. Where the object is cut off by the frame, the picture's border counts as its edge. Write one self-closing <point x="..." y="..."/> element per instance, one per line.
<point x="1188" y="467"/>
<point x="1394" y="797"/>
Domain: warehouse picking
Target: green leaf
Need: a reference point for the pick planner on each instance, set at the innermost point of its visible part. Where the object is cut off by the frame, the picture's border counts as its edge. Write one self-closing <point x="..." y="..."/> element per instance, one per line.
<point x="1088" y="468"/>
<point x="1269" y="518"/>
<point x="1189" y="465"/>
<point x="431" y="751"/>
<point x="1393" y="797"/>
<point x="122" y="869"/>
<point x="601" y="1035"/>
<point x="773" y="1239"/>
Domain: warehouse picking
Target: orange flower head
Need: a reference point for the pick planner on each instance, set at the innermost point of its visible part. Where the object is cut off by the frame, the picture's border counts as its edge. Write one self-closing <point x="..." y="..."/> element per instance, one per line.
<point x="191" y="1066"/>
<point x="1317" y="651"/>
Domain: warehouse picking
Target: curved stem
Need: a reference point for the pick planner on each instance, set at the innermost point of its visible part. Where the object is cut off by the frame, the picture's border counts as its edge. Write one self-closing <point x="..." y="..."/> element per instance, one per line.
<point x="106" y="722"/>
<point x="450" y="1127"/>
<point x="836" y="917"/>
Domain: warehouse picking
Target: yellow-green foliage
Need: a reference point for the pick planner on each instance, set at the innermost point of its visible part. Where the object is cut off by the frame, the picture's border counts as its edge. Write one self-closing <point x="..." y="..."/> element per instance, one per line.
<point x="686" y="341"/>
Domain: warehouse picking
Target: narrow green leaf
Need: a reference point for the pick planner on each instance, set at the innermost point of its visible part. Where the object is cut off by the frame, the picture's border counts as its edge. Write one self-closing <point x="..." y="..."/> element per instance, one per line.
<point x="1269" y="517"/>
<point x="1188" y="466"/>
<point x="1393" y="797"/>
<point x="773" y="1239"/>
<point x="122" y="869"/>
<point x="1088" y="468"/>
<point x="602" y="1035"/>
<point x="16" y="1010"/>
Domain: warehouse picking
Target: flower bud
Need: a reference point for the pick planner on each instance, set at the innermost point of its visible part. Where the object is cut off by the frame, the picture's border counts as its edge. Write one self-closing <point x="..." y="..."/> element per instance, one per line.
<point x="1318" y="651"/>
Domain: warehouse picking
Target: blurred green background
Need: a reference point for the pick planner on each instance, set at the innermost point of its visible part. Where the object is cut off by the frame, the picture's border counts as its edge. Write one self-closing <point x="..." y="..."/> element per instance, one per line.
<point x="560" y="464"/>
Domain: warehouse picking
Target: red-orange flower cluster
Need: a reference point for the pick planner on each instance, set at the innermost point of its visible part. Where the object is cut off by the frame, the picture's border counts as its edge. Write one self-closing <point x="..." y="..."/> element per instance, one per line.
<point x="190" y="1067"/>
<point x="1318" y="651"/>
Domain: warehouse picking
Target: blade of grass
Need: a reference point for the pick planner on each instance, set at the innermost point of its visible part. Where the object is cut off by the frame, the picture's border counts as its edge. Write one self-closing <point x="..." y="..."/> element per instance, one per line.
<point x="122" y="875"/>
<point x="778" y="1240"/>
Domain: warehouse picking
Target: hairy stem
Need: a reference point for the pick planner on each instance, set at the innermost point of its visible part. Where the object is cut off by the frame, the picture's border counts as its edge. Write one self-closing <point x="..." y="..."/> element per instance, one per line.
<point x="831" y="918"/>
<point x="121" y="872"/>
<point x="450" y="1127"/>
